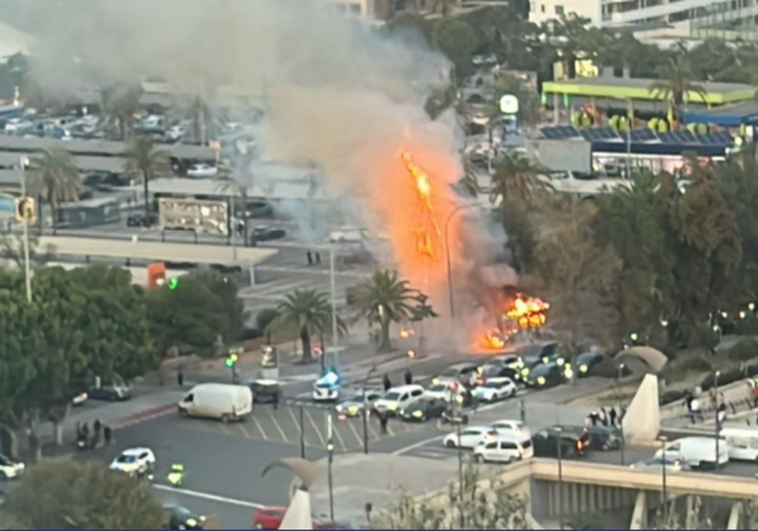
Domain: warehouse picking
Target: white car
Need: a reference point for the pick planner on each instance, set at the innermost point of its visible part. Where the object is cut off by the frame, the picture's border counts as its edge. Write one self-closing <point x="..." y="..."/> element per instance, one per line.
<point x="134" y="460"/>
<point x="512" y="426"/>
<point x="325" y="392"/>
<point x="398" y="398"/>
<point x="202" y="170"/>
<point x="10" y="469"/>
<point x="470" y="437"/>
<point x="348" y="234"/>
<point x="504" y="449"/>
<point x="79" y="399"/>
<point x="496" y="389"/>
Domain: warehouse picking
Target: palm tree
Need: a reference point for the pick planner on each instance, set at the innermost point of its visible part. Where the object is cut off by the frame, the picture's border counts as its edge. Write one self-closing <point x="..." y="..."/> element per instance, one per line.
<point x="306" y="311"/>
<point x="385" y="299"/>
<point x="516" y="177"/>
<point x="119" y="106"/>
<point x="199" y="116"/>
<point x="239" y="191"/>
<point x="676" y="85"/>
<point x="55" y="177"/>
<point x="144" y="160"/>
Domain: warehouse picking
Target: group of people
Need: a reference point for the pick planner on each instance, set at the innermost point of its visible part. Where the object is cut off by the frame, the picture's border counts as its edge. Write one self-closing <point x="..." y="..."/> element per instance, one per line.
<point x="693" y="402"/>
<point x="313" y="258"/>
<point x="83" y="439"/>
<point x="387" y="383"/>
<point x="604" y="418"/>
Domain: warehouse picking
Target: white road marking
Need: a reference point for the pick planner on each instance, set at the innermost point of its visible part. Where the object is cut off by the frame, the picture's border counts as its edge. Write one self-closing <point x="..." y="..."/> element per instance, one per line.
<point x="434" y="455"/>
<point x="413" y="446"/>
<point x="206" y="496"/>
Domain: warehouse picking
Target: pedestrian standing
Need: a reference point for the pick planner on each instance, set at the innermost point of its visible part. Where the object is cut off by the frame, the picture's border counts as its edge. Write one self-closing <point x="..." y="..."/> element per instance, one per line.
<point x="594" y="417"/>
<point x="275" y="401"/>
<point x="383" y="419"/>
<point x="696" y="414"/>
<point x="318" y="259"/>
<point x="386" y="382"/>
<point x="309" y="256"/>
<point x="98" y="426"/>
<point x="603" y="416"/>
<point x="612" y="416"/>
<point x="408" y="377"/>
<point x="85" y="430"/>
<point x="522" y="411"/>
<point x="180" y="377"/>
<point x="107" y="435"/>
<point x="688" y="402"/>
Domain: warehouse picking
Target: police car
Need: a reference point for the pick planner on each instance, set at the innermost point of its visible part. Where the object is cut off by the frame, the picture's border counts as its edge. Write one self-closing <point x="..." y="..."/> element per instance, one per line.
<point x="327" y="388"/>
<point x="134" y="461"/>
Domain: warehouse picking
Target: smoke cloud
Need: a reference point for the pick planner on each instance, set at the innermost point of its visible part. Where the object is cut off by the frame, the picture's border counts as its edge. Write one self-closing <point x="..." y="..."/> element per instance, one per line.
<point x="337" y="95"/>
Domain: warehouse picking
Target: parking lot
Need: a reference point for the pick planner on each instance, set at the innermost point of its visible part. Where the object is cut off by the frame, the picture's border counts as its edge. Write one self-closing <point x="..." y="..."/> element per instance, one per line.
<point x="283" y="425"/>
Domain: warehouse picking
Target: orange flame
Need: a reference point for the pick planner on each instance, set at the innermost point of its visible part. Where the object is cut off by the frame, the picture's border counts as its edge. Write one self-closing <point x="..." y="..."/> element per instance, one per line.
<point x="428" y="233"/>
<point x="522" y="313"/>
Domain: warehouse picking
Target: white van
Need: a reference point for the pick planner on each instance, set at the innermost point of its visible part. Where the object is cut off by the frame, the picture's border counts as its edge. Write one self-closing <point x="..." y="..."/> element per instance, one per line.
<point x="743" y="443"/>
<point x="697" y="452"/>
<point x="504" y="449"/>
<point x="398" y="398"/>
<point x="217" y="401"/>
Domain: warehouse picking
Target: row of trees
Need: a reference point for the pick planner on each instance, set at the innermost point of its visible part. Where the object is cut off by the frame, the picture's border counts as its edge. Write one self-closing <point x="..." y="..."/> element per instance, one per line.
<point x="651" y="258"/>
<point x="94" y="322"/>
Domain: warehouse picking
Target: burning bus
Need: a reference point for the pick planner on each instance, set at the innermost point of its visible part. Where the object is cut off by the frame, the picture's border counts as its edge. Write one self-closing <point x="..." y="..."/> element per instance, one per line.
<point x="519" y="313"/>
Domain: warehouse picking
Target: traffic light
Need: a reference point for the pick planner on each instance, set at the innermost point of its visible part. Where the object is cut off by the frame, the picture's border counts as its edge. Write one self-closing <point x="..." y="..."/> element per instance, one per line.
<point x="231" y="360"/>
<point x="26" y="210"/>
<point x="173" y="283"/>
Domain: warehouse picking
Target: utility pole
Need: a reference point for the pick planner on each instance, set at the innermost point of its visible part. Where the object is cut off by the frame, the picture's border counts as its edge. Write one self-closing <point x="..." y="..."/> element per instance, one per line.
<point x="460" y="473"/>
<point x="335" y="339"/>
<point x="560" y="477"/>
<point x="330" y="451"/>
<point x="24" y="162"/>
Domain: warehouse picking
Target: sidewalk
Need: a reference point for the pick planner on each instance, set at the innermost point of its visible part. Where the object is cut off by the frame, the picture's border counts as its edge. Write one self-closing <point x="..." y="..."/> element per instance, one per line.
<point x="380" y="479"/>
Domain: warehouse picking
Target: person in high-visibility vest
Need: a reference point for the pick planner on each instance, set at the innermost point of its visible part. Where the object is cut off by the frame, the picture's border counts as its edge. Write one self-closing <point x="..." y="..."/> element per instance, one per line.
<point x="176" y="476"/>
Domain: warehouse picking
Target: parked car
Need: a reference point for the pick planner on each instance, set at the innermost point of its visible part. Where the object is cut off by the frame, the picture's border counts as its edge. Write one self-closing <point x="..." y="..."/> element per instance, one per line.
<point x="10" y="469"/>
<point x="504" y="449"/>
<point x="139" y="219"/>
<point x="602" y="438"/>
<point x="697" y="452"/>
<point x="111" y="393"/>
<point x="217" y="401"/>
<point x="398" y="398"/>
<point x="545" y="375"/>
<point x="353" y="406"/>
<point x="179" y="517"/>
<point x="673" y="464"/>
<point x="134" y="461"/>
<point x="548" y="441"/>
<point x="271" y="518"/>
<point x="202" y="170"/>
<point x="266" y="234"/>
<point x="423" y="409"/>
<point x="265" y="391"/>
<point x="586" y="361"/>
<point x="470" y="437"/>
<point x="511" y="426"/>
<point x="460" y="373"/>
<point x="497" y="370"/>
<point x="494" y="389"/>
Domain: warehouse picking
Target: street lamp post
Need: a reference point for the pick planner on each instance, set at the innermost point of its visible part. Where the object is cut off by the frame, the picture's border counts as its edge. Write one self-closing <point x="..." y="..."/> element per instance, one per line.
<point x="302" y="433"/>
<point x="330" y="452"/>
<point x="447" y="253"/>
<point x="560" y="476"/>
<point x="365" y="410"/>
<point x="460" y="473"/>
<point x="335" y="356"/>
<point x="24" y="162"/>
<point x="620" y="417"/>
<point x="664" y="496"/>
<point x="718" y="419"/>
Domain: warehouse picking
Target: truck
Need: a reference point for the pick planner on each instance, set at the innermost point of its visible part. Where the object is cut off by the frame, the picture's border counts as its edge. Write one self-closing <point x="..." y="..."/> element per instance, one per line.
<point x="225" y="402"/>
<point x="697" y="452"/>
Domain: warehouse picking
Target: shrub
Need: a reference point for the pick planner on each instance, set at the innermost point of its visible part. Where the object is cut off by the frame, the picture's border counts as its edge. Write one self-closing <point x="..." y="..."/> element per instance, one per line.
<point x="725" y="378"/>
<point x="745" y="349"/>
<point x="694" y="364"/>
<point x="248" y="334"/>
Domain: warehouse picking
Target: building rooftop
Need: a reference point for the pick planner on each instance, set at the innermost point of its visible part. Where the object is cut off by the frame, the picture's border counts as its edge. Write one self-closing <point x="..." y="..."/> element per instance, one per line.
<point x="632" y="82"/>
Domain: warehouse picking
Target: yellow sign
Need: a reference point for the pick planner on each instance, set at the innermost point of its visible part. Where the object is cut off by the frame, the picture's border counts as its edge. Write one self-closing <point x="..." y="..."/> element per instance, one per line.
<point x="26" y="210"/>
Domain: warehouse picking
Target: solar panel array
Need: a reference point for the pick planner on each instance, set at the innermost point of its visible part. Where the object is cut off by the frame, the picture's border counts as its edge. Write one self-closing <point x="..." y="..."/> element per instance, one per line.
<point x="642" y="135"/>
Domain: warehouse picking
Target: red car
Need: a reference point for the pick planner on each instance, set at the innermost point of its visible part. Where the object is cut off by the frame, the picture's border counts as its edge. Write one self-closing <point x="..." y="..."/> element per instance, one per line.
<point x="271" y="518"/>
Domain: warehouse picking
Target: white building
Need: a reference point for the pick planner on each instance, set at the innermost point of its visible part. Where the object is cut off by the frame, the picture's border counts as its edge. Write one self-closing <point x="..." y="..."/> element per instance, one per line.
<point x="664" y="17"/>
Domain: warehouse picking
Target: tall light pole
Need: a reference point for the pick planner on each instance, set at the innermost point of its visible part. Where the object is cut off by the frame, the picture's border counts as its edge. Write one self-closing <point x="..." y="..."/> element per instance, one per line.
<point x="330" y="451"/>
<point x="365" y="410"/>
<point x="620" y="417"/>
<point x="664" y="497"/>
<point x="335" y="340"/>
<point x="23" y="163"/>
<point x="718" y="418"/>
<point x="447" y="253"/>
<point x="558" y="440"/>
<point x="630" y="123"/>
<point x="460" y="472"/>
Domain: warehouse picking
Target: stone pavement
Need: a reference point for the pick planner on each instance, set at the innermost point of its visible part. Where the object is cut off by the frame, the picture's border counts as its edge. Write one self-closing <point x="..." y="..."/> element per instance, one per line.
<point x="380" y="479"/>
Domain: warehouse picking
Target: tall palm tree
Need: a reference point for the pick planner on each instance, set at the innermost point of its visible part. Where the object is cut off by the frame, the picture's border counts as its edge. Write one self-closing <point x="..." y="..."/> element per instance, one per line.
<point x="676" y="84"/>
<point x="306" y="311"/>
<point x="119" y="105"/>
<point x="56" y="178"/>
<point x="385" y="299"/>
<point x="145" y="161"/>
<point x="239" y="191"/>
<point x="516" y="177"/>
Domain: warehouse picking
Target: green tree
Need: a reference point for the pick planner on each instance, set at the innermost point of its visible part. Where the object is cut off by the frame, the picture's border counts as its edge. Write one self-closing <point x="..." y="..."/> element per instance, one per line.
<point x="457" y="41"/>
<point x="69" y="495"/>
<point x="119" y="105"/>
<point x="516" y="177"/>
<point x="226" y="289"/>
<point x="577" y="278"/>
<point x="12" y="248"/>
<point x="56" y="178"/>
<point x="486" y="503"/>
<point x="305" y="312"/>
<point x="263" y="320"/>
<point x="385" y="299"/>
<point x="676" y="85"/>
<point x="144" y="161"/>
<point x="189" y="315"/>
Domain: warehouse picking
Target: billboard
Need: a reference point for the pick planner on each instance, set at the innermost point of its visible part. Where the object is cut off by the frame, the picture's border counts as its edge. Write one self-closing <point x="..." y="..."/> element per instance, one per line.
<point x="562" y="155"/>
<point x="203" y="217"/>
